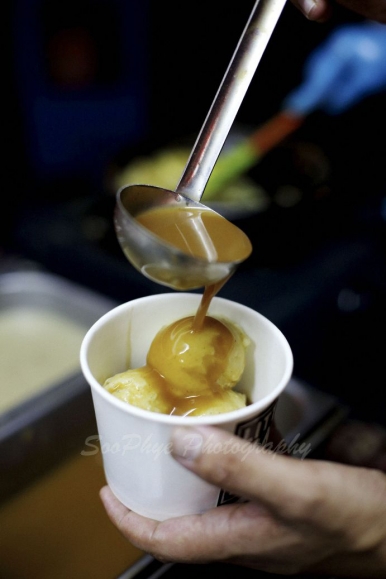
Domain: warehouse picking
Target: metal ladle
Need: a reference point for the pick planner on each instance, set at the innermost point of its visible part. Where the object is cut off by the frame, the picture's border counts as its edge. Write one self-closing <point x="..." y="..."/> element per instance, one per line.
<point x="156" y="259"/>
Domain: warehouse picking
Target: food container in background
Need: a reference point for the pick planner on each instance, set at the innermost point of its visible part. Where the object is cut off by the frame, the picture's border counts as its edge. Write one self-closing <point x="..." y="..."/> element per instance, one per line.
<point x="45" y="406"/>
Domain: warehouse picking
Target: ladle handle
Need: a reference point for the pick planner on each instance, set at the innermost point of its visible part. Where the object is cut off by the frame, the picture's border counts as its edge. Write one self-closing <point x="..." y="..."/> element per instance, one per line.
<point x="229" y="97"/>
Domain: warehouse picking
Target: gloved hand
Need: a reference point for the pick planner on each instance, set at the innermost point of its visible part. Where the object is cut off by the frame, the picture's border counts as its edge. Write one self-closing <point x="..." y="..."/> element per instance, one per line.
<point x="348" y="66"/>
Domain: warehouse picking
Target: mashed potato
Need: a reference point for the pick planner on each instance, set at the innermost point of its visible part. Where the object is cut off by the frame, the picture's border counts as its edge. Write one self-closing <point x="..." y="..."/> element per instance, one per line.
<point x="188" y="372"/>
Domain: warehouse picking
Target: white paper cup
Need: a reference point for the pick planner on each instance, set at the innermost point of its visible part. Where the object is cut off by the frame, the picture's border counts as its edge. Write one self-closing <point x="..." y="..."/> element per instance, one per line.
<point x="135" y="443"/>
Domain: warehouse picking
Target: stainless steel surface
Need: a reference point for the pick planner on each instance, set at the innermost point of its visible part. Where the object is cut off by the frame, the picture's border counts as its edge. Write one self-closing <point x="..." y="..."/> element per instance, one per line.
<point x="306" y="416"/>
<point x="40" y="289"/>
<point x="43" y="428"/>
<point x="150" y="568"/>
<point x="229" y="97"/>
<point x="159" y="261"/>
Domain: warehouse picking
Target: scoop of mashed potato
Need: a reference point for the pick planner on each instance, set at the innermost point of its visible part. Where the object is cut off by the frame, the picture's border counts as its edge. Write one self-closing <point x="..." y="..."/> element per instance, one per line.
<point x="188" y="371"/>
<point x="141" y="387"/>
<point x="198" y="361"/>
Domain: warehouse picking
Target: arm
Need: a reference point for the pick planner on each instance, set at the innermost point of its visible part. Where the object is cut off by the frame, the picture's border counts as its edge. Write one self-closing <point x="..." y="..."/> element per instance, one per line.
<point x="302" y="515"/>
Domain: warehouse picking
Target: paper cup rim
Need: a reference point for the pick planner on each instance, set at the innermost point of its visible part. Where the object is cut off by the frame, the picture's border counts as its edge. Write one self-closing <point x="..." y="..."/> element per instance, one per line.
<point x="224" y="417"/>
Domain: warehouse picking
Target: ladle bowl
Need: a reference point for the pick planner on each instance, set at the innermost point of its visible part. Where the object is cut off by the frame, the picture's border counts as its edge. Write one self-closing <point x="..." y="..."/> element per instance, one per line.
<point x="154" y="257"/>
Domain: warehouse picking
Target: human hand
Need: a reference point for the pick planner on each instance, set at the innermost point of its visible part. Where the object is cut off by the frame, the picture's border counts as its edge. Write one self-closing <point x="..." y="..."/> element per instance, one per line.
<point x="321" y="10"/>
<point x="345" y="68"/>
<point x="301" y="515"/>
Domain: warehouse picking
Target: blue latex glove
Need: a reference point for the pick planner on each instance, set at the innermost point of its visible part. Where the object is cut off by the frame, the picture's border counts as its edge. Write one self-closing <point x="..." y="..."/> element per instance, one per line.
<point x="348" y="66"/>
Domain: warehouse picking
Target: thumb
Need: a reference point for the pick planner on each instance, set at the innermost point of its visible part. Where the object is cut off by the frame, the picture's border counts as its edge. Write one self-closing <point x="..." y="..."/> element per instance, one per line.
<point x="248" y="470"/>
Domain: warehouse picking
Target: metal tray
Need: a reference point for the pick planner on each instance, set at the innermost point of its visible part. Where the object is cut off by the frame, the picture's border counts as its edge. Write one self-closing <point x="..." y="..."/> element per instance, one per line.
<point x="42" y="429"/>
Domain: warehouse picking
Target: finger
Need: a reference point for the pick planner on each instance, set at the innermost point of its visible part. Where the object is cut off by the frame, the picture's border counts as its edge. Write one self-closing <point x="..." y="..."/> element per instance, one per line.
<point x="185" y="539"/>
<point x="322" y="10"/>
<point x="246" y="469"/>
<point x="124" y="520"/>
<point x="316" y="10"/>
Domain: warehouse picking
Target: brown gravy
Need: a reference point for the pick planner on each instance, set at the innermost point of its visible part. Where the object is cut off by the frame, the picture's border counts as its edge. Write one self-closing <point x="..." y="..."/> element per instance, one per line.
<point x="201" y="233"/>
<point x="188" y="372"/>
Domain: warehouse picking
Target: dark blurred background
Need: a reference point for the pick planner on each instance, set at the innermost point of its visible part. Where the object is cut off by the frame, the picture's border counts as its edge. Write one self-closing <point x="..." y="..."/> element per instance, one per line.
<point x="90" y="84"/>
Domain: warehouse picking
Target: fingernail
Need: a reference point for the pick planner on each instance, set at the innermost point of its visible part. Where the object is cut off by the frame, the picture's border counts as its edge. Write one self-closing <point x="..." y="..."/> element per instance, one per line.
<point x="186" y="444"/>
<point x="307" y="7"/>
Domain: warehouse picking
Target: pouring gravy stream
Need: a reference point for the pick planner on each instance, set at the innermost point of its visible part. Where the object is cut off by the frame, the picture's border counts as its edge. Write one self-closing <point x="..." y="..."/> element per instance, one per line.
<point x="202" y="233"/>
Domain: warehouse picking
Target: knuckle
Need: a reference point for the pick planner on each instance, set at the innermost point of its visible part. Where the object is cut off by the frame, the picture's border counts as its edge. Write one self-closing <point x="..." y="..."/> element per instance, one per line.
<point x="309" y="504"/>
<point x="223" y="471"/>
